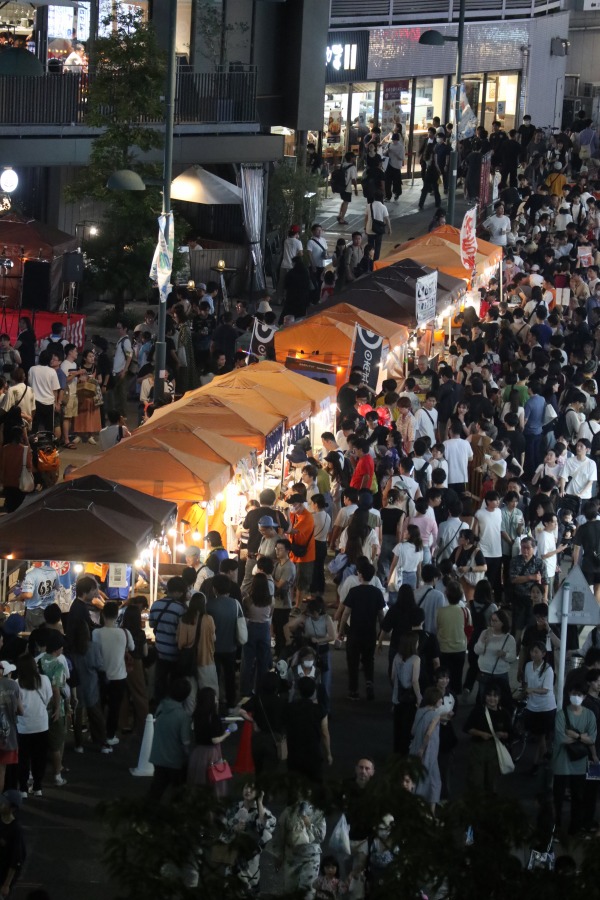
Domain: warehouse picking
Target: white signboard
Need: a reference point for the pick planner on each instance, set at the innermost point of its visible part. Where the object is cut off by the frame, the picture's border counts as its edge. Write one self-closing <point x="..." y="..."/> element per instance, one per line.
<point x="426" y="298"/>
<point x="117" y="575"/>
<point x="583" y="609"/>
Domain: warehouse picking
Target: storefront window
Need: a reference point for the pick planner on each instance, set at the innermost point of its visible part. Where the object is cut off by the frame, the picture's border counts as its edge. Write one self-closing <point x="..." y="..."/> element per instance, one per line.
<point x="336" y="121"/>
<point x="16" y="25"/>
<point x="501" y="100"/>
<point x="362" y="114"/>
<point x="429" y="102"/>
<point x="474" y="90"/>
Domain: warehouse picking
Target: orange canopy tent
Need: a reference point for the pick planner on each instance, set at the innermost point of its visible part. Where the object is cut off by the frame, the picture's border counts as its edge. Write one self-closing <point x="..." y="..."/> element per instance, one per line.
<point x="280" y="379"/>
<point x="440" y="249"/>
<point x="328" y="336"/>
<point x="183" y="465"/>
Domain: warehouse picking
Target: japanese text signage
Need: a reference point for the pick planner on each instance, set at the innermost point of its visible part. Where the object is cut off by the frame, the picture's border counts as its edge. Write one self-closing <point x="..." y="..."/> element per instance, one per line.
<point x="346" y="56"/>
<point x="368" y="348"/>
<point x="426" y="298"/>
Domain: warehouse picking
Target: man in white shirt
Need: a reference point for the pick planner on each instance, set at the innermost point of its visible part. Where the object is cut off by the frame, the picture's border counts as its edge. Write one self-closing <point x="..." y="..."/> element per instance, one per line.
<point x="45" y="385"/>
<point x="547" y="549"/>
<point x="292" y="247"/>
<point x="350" y="180"/>
<point x="317" y="251"/>
<point x="580" y="471"/>
<point x="498" y="226"/>
<point x="426" y="420"/>
<point x="113" y="642"/>
<point x="458" y="452"/>
<point x="449" y="531"/>
<point x="488" y="525"/>
<point x="121" y="363"/>
<point x="377" y="222"/>
<point x="72" y="372"/>
<point x="393" y="174"/>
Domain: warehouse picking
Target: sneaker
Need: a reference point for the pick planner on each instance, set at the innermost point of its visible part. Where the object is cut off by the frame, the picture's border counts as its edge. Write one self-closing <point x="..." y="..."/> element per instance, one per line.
<point x="92" y="440"/>
<point x="353" y="695"/>
<point x="24" y="795"/>
<point x="38" y="793"/>
<point x="112" y="742"/>
<point x="106" y="749"/>
<point x="78" y="749"/>
<point x="59" y="780"/>
<point x="75" y="440"/>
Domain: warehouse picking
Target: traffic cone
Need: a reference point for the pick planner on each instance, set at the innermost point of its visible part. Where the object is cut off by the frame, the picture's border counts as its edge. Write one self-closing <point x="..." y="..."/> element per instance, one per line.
<point x="243" y="761"/>
<point x="144" y="766"/>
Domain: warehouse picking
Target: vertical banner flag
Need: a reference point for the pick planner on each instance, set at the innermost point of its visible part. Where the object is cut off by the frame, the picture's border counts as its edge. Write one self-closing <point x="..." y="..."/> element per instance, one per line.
<point x="162" y="263"/>
<point x="262" y="339"/>
<point x="368" y="348"/>
<point x="426" y="298"/>
<point x="468" y="239"/>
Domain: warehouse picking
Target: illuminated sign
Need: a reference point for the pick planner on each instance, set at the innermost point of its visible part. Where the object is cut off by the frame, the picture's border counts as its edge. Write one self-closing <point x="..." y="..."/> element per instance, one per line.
<point x="341" y="57"/>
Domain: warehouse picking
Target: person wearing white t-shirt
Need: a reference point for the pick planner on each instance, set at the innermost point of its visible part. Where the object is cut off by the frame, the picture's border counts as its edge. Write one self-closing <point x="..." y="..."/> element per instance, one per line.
<point x="292" y="247"/>
<point x="458" y="452"/>
<point x="45" y="385"/>
<point x="547" y="549"/>
<point x="72" y="372"/>
<point x="407" y="559"/>
<point x="488" y="527"/>
<point x="113" y="642"/>
<point x="426" y="419"/>
<point x="349" y="507"/>
<point x="580" y="471"/>
<point x="35" y="694"/>
<point x="498" y="226"/>
<point x="541" y="702"/>
<point x="377" y="212"/>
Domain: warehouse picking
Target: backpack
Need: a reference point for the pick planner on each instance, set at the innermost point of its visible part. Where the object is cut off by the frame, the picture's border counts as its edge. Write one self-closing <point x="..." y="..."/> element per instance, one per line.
<point x="338" y="180"/>
<point x="560" y="426"/>
<point x="421" y="476"/>
<point x="595" y="445"/>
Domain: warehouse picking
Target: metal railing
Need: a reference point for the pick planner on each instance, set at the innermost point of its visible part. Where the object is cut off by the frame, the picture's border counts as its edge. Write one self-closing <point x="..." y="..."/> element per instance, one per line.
<point x="222" y="96"/>
<point x="381" y="13"/>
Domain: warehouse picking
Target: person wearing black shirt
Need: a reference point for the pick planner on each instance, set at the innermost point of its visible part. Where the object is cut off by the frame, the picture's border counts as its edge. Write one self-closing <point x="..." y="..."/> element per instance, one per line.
<point x="363" y="607"/>
<point x="512" y="434"/>
<point x="250" y="524"/>
<point x="268" y="709"/>
<point x="511" y="155"/>
<point x="526" y="131"/>
<point x="477" y="344"/>
<point x="12" y="841"/>
<point x="307" y="732"/>
<point x="498" y="141"/>
<point x="428" y="648"/>
<point x="346" y="397"/>
<point x="484" y="769"/>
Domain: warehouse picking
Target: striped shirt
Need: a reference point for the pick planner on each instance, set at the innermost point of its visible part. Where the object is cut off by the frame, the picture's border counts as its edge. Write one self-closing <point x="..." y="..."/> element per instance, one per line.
<point x="164" y="619"/>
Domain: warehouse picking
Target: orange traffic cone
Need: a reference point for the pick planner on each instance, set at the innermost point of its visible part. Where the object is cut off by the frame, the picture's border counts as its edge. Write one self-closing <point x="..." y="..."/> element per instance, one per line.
<point x="243" y="762"/>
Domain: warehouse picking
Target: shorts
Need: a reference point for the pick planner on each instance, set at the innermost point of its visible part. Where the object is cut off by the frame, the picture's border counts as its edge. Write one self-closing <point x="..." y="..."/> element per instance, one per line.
<point x="346" y="196"/>
<point x="304" y="574"/>
<point x="71" y="407"/>
<point x="57" y="732"/>
<point x="540" y="722"/>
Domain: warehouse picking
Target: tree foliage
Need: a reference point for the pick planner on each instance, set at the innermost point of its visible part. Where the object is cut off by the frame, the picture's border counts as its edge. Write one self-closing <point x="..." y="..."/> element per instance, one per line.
<point x="125" y="93"/>
<point x="293" y="197"/>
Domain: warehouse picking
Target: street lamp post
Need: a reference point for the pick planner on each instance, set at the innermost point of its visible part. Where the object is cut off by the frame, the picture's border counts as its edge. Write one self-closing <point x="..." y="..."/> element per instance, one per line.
<point x="437" y="39"/>
<point x="160" y="348"/>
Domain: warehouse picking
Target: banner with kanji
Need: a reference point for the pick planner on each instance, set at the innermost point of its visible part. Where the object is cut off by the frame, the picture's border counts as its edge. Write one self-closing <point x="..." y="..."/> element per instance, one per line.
<point x="468" y="239"/>
<point x="262" y="338"/>
<point x="368" y="348"/>
<point x="426" y="299"/>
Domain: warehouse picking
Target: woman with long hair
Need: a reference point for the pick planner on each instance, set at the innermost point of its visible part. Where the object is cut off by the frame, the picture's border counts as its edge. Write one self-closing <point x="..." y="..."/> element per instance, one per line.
<point x="392" y="515"/>
<point x="497" y="650"/>
<point x="482" y="607"/>
<point x="87" y="422"/>
<point x="35" y="693"/>
<point x="407" y="558"/>
<point x="514" y="405"/>
<point x="425" y="745"/>
<point x="88" y="662"/>
<point x="406" y="691"/>
<point x="468" y="562"/>
<point x="197" y="629"/>
<point x="256" y="652"/>
<point x="137" y="691"/>
<point x="338" y="481"/>
<point x="359" y="539"/>
<point x="209" y="734"/>
<point x="398" y="621"/>
<point x="187" y="377"/>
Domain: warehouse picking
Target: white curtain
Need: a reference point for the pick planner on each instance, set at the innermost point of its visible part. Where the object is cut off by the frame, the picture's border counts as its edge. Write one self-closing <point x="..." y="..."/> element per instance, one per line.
<point x="253" y="199"/>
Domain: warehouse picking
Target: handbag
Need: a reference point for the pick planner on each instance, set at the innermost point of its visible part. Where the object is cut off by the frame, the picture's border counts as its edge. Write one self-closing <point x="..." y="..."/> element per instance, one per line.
<point x="301" y="550"/>
<point x="218" y="771"/>
<point x="26" y="480"/>
<point x="469" y="628"/>
<point x="87" y="388"/>
<point x="98" y="396"/>
<point x="241" y="627"/>
<point x="187" y="660"/>
<point x="377" y="227"/>
<point x="505" y="760"/>
<point x="473" y="578"/>
<point x="338" y="563"/>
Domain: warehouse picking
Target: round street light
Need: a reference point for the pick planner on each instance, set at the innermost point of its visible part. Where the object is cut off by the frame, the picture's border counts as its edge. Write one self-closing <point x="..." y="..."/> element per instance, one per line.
<point x="433" y="38"/>
<point x="9" y="180"/>
<point x="125" y="180"/>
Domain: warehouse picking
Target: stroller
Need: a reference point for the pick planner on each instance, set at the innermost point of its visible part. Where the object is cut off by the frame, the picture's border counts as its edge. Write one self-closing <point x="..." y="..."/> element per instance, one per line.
<point x="46" y="459"/>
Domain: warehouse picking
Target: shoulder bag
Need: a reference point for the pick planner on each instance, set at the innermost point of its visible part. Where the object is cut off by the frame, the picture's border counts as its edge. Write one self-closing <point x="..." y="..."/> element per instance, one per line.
<point x="241" y="626"/>
<point x="377" y="227"/>
<point x="301" y="550"/>
<point x="218" y="771"/>
<point x="473" y="577"/>
<point x="26" y="480"/>
<point x="504" y="758"/>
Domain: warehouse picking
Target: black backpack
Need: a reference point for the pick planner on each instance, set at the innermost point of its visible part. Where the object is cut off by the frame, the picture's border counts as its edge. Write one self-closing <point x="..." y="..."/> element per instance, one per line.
<point x="421" y="476"/>
<point x="560" y="426"/>
<point x="338" y="180"/>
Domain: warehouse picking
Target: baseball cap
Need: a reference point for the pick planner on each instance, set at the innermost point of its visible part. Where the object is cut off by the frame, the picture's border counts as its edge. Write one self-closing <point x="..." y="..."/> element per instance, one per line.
<point x="267" y="522"/>
<point x="295" y="229"/>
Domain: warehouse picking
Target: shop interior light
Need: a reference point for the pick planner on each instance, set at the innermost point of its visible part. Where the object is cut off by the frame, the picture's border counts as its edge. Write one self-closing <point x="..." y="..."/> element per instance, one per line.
<point x="138" y="563"/>
<point x="195" y="535"/>
<point x="9" y="180"/>
<point x="221" y="265"/>
<point x="181" y="548"/>
<point x="78" y="568"/>
<point x="172" y="532"/>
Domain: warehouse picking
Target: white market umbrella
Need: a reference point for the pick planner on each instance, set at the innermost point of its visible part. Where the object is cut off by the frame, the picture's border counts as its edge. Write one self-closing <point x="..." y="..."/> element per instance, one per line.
<point x="196" y="185"/>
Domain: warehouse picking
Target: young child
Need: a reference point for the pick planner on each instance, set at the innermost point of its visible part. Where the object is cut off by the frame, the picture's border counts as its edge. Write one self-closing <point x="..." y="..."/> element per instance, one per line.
<point x="328" y="886"/>
<point x="328" y="286"/>
<point x="438" y="460"/>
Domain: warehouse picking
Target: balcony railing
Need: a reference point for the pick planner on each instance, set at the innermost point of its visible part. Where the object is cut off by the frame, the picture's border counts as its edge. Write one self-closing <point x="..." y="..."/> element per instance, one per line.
<point x="202" y="97"/>
<point x="381" y="13"/>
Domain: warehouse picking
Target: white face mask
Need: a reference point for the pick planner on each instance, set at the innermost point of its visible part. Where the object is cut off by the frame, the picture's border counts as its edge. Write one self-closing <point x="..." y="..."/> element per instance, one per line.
<point x="576" y="700"/>
<point x="439" y="140"/>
